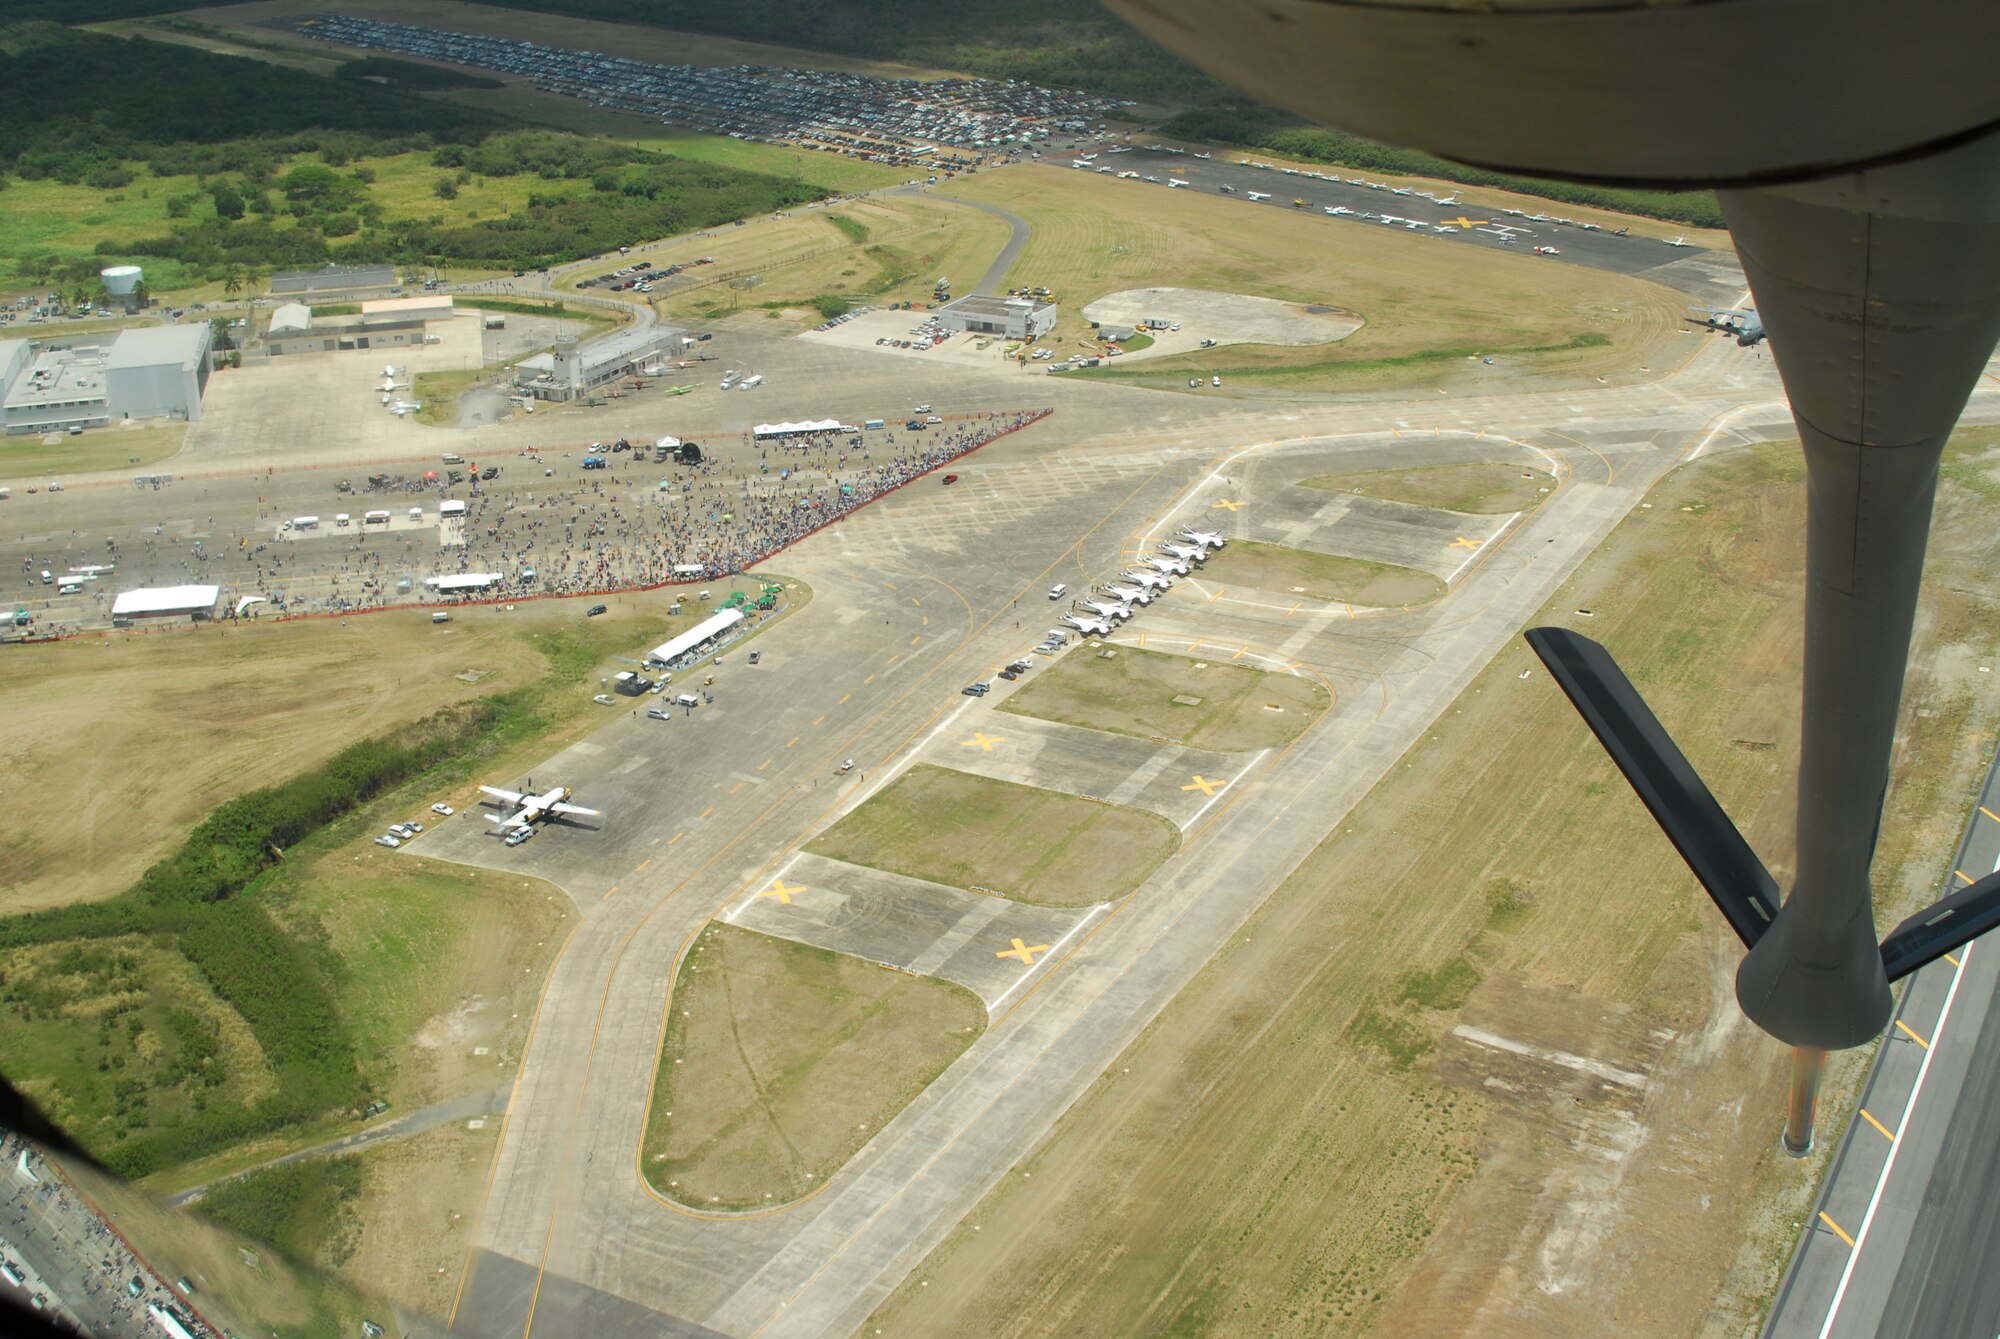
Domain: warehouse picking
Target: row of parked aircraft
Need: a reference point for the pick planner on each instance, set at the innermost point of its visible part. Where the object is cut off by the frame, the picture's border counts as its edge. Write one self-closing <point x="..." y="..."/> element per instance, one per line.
<point x="387" y="390"/>
<point x="1111" y="604"/>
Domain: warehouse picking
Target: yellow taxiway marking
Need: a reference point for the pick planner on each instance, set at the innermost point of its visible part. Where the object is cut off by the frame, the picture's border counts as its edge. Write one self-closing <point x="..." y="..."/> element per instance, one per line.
<point x="914" y="600"/>
<point x="869" y="679"/>
<point x="1837" y="1230"/>
<point x="1205" y="786"/>
<point x="782" y="891"/>
<point x="1963" y="875"/>
<point x="1025" y="952"/>
<point x="1908" y="1032"/>
<point x="643" y="863"/>
<point x="609" y="891"/>
<point x="1240" y="654"/>
<point x="1396" y="433"/>
<point x="982" y="741"/>
<point x="794" y="740"/>
<point x="1229" y="503"/>
<point x="733" y="789"/>
<point x="1464" y="222"/>
<point x="927" y="620"/>
<point x="893" y="659"/>
<point x="1989" y="813"/>
<point x="1463" y="543"/>
<point x="843" y="700"/>
<point x="1878" y="1125"/>
<point x="914" y="640"/>
<point x="1953" y="961"/>
<point x="706" y="812"/>
<point x="676" y="837"/>
<point x="890" y="584"/>
<point x="762" y="765"/>
<point x="1195" y="645"/>
<point x="817" y="719"/>
<point x="1142" y="641"/>
<point x="1294" y="609"/>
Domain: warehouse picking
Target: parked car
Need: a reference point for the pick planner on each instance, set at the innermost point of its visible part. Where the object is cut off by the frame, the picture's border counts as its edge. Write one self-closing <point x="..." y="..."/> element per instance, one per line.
<point x="976" y="689"/>
<point x="519" y="835"/>
<point x="444" y="809"/>
<point x="390" y="842"/>
<point x="951" y="478"/>
<point x="604" y="699"/>
<point x="659" y="714"/>
<point x="595" y="610"/>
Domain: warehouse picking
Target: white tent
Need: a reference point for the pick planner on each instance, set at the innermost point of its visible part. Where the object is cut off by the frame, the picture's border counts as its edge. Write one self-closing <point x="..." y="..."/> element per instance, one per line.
<point x="796" y="429"/>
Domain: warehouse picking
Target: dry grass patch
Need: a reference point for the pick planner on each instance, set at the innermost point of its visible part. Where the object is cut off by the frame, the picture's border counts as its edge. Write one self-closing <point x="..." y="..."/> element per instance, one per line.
<point x="1481" y="488"/>
<point x="1211" y="705"/>
<point x="1313" y="575"/>
<point x="1300" y="1145"/>
<point x="781" y="1060"/>
<point x="1000" y="837"/>
<point x="126" y="448"/>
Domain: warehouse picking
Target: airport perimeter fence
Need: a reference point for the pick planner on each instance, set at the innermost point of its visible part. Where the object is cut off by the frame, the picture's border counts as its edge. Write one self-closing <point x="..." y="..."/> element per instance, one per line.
<point x="1027" y="419"/>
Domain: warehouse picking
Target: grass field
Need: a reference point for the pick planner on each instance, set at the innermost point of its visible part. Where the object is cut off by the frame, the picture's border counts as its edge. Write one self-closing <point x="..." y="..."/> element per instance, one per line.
<point x="1322" y="576"/>
<point x="781" y="1060"/>
<point x="1000" y="837"/>
<point x="1425" y="307"/>
<point x="904" y="243"/>
<point x="1299" y="1145"/>
<point x="1481" y="488"/>
<point x="1135" y="691"/>
<point x="116" y="448"/>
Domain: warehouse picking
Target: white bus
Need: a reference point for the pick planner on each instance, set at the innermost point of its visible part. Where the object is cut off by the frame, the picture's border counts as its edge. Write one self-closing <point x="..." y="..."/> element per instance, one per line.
<point x="374" y="518"/>
<point x="451" y="509"/>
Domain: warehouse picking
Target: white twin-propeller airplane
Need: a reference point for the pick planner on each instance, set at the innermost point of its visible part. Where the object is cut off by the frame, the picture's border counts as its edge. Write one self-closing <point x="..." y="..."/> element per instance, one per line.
<point x="536" y="808"/>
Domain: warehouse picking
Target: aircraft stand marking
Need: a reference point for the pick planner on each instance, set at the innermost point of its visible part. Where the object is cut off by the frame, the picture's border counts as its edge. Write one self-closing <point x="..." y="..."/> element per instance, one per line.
<point x="1025" y="952"/>
<point x="1205" y="786"/>
<point x="1878" y="1125"/>
<point x="1910" y="1032"/>
<point x="782" y="891"/>
<point x="1463" y="543"/>
<point x="1229" y="503"/>
<point x="1838" y="1231"/>
<point x="982" y="741"/>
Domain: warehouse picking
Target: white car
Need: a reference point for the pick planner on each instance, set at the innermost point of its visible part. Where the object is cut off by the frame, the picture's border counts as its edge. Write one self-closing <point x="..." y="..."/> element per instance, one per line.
<point x="1215" y="381"/>
<point x="604" y="699"/>
<point x="519" y="835"/>
<point x="442" y="809"/>
<point x="390" y="842"/>
<point x="414" y="826"/>
<point x="400" y="832"/>
<point x="922" y="409"/>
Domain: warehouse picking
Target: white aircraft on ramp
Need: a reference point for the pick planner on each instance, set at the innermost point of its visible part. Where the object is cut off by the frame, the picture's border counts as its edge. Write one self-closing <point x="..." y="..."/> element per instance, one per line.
<point x="1150" y="578"/>
<point x="1208" y="537"/>
<point x="1109" y="609"/>
<point x="1128" y="594"/>
<point x="536" y="808"/>
<point x="1089" y="627"/>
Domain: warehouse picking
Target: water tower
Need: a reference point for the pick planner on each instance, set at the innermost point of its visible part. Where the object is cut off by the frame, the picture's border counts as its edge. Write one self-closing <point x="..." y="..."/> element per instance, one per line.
<point x="121" y="283"/>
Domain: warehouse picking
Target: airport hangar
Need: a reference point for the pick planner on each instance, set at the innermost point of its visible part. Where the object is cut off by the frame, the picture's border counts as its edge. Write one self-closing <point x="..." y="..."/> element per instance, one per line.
<point x="1011" y="318"/>
<point x="155" y="372"/>
<point x="574" y="370"/>
<point x="382" y="323"/>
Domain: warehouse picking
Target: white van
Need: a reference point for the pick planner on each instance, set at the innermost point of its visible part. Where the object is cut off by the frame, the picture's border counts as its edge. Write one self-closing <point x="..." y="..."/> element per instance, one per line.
<point x="305" y="523"/>
<point x="1057" y="591"/>
<point x="453" y="508"/>
<point x="416" y="513"/>
<point x="452" y="458"/>
<point x="688" y="700"/>
<point x="343" y="520"/>
<point x="69" y="588"/>
<point x="440" y="616"/>
<point x="875" y="424"/>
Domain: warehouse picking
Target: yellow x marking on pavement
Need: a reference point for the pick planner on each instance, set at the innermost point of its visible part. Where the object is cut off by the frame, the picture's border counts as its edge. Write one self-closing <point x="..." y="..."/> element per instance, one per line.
<point x="1464" y="222"/>
<point x="782" y="891"/>
<point x="1221" y="503"/>
<point x="982" y="741"/>
<point x="1025" y="952"/>
<point x="1463" y="543"/>
<point x="1205" y="786"/>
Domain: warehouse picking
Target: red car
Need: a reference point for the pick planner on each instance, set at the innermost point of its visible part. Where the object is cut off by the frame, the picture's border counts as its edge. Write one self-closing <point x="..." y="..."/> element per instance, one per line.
<point x="951" y="478"/>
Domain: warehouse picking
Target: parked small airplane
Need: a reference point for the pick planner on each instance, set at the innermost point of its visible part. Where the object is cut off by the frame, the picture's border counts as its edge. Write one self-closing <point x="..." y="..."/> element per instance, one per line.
<point x="1187" y="553"/>
<point x="541" y="808"/>
<point x="679" y="390"/>
<point x="1339" y="211"/>
<point x="1680" y="241"/>
<point x="1257" y="195"/>
<point x="1109" y="609"/>
<point x="1175" y="181"/>
<point x="1089" y="627"/>
<point x="1451" y="199"/>
<point x="402" y="407"/>
<point x="390" y="372"/>
<point x="1150" y="578"/>
<point x="1127" y="594"/>
<point x="1208" y="537"/>
<point x="1747" y="326"/>
<point x="1167" y="564"/>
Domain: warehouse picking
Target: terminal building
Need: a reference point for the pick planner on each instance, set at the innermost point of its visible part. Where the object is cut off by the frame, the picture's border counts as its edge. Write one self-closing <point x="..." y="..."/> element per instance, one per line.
<point x="575" y="370"/>
<point x="154" y="372"/>
<point x="384" y="323"/>
<point x="1010" y="318"/>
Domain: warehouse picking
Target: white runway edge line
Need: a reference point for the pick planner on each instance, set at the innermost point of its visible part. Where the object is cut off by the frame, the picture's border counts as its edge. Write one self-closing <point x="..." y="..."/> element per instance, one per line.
<point x="1505" y="526"/>
<point x="1889" y="1165"/>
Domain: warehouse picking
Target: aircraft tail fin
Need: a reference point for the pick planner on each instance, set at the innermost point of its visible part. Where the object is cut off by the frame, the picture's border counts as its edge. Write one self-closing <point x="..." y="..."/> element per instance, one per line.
<point x="1946" y="924"/>
<point x="1655" y="767"/>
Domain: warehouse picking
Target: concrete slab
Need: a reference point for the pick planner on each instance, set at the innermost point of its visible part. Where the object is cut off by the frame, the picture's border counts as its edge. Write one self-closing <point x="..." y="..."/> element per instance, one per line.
<point x="1226" y="318"/>
<point x="985" y="942"/>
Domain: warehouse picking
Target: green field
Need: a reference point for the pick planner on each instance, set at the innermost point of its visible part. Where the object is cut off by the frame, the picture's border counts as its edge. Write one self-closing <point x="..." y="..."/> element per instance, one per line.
<point x="1311" y="575"/>
<point x="999" y="837"/>
<point x="116" y="448"/>
<point x="1481" y="488"/>
<point x="781" y="1060"/>
<point x="1206" y="704"/>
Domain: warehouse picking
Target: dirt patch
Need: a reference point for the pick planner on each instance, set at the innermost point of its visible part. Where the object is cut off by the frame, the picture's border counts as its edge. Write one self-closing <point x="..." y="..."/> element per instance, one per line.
<point x="1251" y="1166"/>
<point x="1311" y="575"/>
<point x="1001" y="837"/>
<point x="1205" y="704"/>
<point x="419" y="1197"/>
<point x="1226" y="318"/>
<point x="1483" y="488"/>
<point x="781" y="1060"/>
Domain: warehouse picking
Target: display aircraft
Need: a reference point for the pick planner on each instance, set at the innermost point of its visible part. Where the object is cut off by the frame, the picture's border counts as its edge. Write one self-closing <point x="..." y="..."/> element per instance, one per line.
<point x="1746" y="325"/>
<point x="679" y="390"/>
<point x="1680" y="241"/>
<point x="402" y="407"/>
<point x="1127" y="594"/>
<point x="1207" y="537"/>
<point x="391" y="384"/>
<point x="1151" y="579"/>
<point x="1175" y="181"/>
<point x="553" y="803"/>
<point x="1166" y="564"/>
<point x="1448" y="200"/>
<point x="1257" y="195"/>
<point x="1187" y="553"/>
<point x="1089" y="627"/>
<point x="1339" y="211"/>
<point x="390" y="371"/>
<point x="1109" y="609"/>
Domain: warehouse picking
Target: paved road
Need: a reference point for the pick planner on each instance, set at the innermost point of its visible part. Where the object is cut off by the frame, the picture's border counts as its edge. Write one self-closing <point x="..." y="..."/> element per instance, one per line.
<point x="994" y="281"/>
<point x="492" y="1102"/>
<point x="1906" y="1231"/>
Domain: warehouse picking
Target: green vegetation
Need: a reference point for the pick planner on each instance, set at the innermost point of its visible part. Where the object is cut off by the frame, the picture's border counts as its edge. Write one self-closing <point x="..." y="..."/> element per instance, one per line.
<point x="1476" y="487"/>
<point x="411" y="77"/>
<point x="781" y="1060"/>
<point x="855" y="229"/>
<point x="1001" y="837"/>
<point x="1156" y="695"/>
<point x="1252" y="363"/>
<point x="113" y="448"/>
<point x="1311" y="575"/>
<point x="305" y="1209"/>
<point x="1259" y="127"/>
